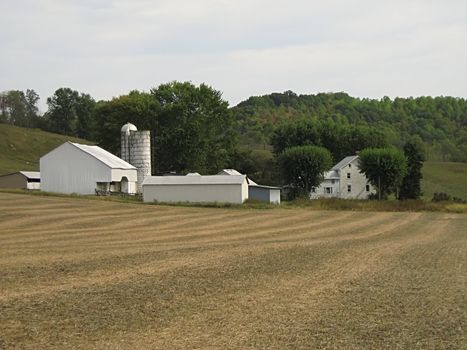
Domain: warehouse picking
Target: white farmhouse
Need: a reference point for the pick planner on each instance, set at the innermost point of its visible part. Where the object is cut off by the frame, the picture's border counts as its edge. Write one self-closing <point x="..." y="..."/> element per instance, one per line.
<point x="196" y="188"/>
<point x="84" y="169"/>
<point x="344" y="180"/>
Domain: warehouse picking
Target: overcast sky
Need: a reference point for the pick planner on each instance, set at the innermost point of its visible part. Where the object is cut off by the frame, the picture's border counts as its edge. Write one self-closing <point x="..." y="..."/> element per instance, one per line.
<point x="368" y="48"/>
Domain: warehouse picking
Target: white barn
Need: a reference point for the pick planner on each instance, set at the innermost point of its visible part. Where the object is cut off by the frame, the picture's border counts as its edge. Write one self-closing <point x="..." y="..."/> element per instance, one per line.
<point x="344" y="180"/>
<point x="196" y="188"/>
<point x="84" y="169"/>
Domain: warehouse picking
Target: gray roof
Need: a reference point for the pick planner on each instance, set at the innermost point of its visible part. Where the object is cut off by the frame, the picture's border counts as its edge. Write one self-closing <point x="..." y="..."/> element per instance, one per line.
<point x="228" y="172"/>
<point x="344" y="162"/>
<point x="31" y="174"/>
<point x="263" y="186"/>
<point x="331" y="175"/>
<point x="104" y="156"/>
<point x="195" y="180"/>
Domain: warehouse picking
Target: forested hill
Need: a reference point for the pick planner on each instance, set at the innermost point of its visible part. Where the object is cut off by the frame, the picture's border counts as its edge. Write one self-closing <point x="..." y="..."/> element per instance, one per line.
<point x="440" y="122"/>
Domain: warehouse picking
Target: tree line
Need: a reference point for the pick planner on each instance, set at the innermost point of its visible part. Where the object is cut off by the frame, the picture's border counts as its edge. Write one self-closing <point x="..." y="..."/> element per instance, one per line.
<point x="439" y="122"/>
<point x="193" y="129"/>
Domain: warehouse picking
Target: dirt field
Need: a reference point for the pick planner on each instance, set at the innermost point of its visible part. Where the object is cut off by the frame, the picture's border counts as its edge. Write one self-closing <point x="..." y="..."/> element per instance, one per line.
<point x="89" y="274"/>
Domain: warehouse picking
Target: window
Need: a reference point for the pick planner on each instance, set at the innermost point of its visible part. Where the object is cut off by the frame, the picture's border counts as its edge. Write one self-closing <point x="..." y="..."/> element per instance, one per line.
<point x="333" y="181"/>
<point x="350" y="165"/>
<point x="349" y="188"/>
<point x="313" y="190"/>
<point x="368" y="188"/>
<point x="329" y="190"/>
<point x="348" y="175"/>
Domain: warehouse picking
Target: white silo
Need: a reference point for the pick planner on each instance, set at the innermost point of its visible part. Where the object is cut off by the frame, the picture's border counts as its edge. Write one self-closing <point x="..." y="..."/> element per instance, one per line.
<point x="136" y="150"/>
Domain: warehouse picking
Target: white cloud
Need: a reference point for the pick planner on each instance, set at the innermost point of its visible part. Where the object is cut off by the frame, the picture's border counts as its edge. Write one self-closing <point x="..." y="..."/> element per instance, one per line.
<point x="106" y="48"/>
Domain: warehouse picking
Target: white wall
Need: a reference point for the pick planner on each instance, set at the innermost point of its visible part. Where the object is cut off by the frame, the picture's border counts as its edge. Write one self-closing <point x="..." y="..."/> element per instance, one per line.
<point x="357" y="181"/>
<point x="206" y="193"/>
<point x="67" y="169"/>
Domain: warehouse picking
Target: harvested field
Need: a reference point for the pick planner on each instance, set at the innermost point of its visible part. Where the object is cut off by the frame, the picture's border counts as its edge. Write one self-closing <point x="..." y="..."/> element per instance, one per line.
<point x="90" y="274"/>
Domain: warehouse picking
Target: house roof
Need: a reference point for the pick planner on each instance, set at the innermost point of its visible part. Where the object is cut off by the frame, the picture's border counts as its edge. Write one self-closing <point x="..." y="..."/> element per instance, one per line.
<point x="104" y="156"/>
<point x="31" y="174"/>
<point x="331" y="175"/>
<point x="195" y="180"/>
<point x="344" y="162"/>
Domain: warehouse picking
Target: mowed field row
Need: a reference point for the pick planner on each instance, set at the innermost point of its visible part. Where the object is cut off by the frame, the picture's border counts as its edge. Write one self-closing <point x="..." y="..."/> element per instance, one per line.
<point x="91" y="274"/>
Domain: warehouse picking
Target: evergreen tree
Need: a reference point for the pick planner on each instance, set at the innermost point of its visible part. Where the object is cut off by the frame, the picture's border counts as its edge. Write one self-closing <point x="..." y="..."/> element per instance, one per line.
<point x="410" y="188"/>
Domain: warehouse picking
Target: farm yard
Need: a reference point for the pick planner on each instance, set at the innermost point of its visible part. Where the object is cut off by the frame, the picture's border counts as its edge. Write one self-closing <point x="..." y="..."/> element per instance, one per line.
<point x="94" y="274"/>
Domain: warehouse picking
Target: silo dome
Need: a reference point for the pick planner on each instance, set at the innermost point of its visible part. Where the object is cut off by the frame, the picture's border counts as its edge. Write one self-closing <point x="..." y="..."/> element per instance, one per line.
<point x="128" y="127"/>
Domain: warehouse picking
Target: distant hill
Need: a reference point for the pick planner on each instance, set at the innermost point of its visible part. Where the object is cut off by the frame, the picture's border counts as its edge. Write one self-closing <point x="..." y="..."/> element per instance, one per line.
<point x="21" y="148"/>
<point x="447" y="177"/>
<point x="440" y="122"/>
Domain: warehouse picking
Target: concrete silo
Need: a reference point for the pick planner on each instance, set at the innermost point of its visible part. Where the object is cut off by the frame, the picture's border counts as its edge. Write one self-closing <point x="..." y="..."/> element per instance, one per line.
<point x="136" y="150"/>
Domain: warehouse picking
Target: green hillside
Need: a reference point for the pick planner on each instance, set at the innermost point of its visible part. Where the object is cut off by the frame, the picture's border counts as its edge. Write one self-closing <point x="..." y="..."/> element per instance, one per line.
<point x="20" y="148"/>
<point x="445" y="177"/>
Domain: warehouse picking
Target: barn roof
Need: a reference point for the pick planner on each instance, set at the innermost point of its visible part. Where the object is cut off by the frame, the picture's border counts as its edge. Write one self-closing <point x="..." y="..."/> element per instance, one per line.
<point x="229" y="172"/>
<point x="195" y="180"/>
<point x="31" y="174"/>
<point x="104" y="156"/>
<point x="344" y="162"/>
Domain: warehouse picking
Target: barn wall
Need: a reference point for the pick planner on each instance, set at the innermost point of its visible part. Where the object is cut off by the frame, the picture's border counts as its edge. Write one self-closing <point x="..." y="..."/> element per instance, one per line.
<point x="68" y="169"/>
<point x="15" y="180"/>
<point x="231" y="193"/>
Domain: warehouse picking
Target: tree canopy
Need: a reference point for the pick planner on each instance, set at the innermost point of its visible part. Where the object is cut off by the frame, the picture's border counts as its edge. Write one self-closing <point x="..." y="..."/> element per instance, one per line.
<point x="411" y="183"/>
<point x="385" y="168"/>
<point x="303" y="167"/>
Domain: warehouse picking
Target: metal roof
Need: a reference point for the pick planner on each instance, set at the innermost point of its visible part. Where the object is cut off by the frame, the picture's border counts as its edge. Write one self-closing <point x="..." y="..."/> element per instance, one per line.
<point x="344" y="162"/>
<point x="195" y="180"/>
<point x="263" y="186"/>
<point x="128" y="127"/>
<point x="228" y="172"/>
<point x="331" y="175"/>
<point x="31" y="174"/>
<point x="104" y="156"/>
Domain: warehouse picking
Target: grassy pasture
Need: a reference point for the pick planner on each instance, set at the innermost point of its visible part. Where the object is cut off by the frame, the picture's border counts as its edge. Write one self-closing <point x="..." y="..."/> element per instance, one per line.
<point x="21" y="148"/>
<point x="89" y="274"/>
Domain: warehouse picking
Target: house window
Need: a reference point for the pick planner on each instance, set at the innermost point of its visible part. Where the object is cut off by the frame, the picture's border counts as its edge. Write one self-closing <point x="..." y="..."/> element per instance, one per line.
<point x="329" y="190"/>
<point x="333" y="181"/>
<point x="349" y="188"/>
<point x="368" y="188"/>
<point x="348" y="175"/>
<point x="350" y="165"/>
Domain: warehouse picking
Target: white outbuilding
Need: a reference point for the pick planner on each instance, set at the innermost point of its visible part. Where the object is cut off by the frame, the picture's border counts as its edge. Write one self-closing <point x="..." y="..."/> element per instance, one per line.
<point x="196" y="189"/>
<point x="28" y="180"/>
<point x="85" y="169"/>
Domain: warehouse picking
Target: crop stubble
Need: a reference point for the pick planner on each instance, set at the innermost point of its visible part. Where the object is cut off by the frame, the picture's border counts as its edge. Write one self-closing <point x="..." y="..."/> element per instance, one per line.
<point x="95" y="274"/>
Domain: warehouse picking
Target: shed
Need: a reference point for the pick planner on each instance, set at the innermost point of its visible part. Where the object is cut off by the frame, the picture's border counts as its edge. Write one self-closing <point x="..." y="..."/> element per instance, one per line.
<point x="264" y="193"/>
<point x="85" y="169"/>
<point x="257" y="192"/>
<point x="29" y="180"/>
<point x="196" y="189"/>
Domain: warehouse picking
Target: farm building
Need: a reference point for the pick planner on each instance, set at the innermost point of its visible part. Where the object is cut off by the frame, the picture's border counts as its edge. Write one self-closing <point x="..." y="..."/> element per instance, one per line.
<point x="29" y="180"/>
<point x="196" y="188"/>
<point x="264" y="193"/>
<point x="344" y="180"/>
<point x="258" y="192"/>
<point x="84" y="169"/>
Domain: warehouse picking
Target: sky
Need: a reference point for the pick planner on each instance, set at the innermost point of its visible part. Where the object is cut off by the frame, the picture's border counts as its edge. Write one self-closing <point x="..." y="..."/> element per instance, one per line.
<point x="367" y="48"/>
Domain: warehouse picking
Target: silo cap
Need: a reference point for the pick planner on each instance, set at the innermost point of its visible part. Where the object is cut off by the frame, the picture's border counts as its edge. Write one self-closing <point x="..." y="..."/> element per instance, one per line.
<point x="128" y="127"/>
